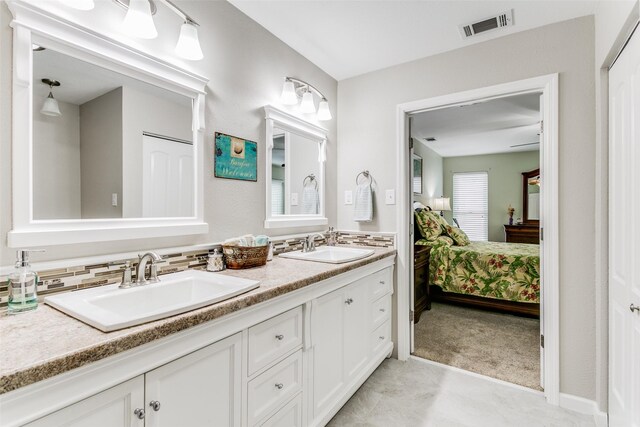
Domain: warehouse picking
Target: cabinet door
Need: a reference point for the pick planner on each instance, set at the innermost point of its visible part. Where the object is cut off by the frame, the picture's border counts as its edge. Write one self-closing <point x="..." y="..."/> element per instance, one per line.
<point x="200" y="389"/>
<point x="356" y="328"/>
<point x="112" y="408"/>
<point x="328" y="349"/>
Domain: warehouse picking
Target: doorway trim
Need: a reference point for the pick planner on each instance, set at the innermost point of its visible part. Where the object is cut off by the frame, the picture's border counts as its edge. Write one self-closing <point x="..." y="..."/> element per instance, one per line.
<point x="550" y="308"/>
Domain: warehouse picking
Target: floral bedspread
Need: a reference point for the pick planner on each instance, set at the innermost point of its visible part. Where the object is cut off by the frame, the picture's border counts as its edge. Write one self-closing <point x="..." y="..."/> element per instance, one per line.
<point x="509" y="271"/>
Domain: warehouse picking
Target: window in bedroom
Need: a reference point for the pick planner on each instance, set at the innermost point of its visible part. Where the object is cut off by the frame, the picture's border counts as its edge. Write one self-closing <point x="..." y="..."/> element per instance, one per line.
<point x="471" y="204"/>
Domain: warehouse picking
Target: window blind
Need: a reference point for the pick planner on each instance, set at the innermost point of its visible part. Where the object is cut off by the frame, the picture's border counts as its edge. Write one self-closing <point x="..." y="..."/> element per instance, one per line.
<point x="471" y="204"/>
<point x="277" y="197"/>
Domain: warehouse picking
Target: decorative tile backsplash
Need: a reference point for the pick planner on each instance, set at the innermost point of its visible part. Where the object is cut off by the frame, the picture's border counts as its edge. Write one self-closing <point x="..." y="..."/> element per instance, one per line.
<point x="89" y="276"/>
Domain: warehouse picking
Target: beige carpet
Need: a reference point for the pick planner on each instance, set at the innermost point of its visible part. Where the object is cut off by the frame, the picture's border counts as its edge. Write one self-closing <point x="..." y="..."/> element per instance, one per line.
<point x="498" y="345"/>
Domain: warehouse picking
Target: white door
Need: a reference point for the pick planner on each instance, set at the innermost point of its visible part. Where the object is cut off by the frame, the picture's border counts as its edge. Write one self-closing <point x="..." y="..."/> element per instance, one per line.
<point x="624" y="237"/>
<point x="542" y="263"/>
<point x="167" y="178"/>
<point x="112" y="408"/>
<point x="200" y="389"/>
<point x="356" y="328"/>
<point x="328" y="350"/>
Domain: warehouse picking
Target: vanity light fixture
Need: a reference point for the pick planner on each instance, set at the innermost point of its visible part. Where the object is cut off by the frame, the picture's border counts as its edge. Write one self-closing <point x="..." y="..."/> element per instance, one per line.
<point x="138" y="21"/>
<point x="50" y="106"/>
<point x="188" y="46"/>
<point x="79" y="4"/>
<point x="295" y="89"/>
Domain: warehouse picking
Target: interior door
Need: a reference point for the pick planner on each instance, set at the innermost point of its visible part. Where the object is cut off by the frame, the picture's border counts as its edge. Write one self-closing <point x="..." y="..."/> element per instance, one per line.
<point x="411" y="255"/>
<point x="541" y="241"/>
<point x="167" y="178"/>
<point x="624" y="237"/>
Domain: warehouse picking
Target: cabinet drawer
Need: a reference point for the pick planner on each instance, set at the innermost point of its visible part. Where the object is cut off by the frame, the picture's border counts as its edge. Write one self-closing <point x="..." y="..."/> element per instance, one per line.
<point x="274" y="338"/>
<point x="380" y="337"/>
<point x="380" y="311"/>
<point x="274" y="387"/>
<point x="381" y="283"/>
<point x="289" y="416"/>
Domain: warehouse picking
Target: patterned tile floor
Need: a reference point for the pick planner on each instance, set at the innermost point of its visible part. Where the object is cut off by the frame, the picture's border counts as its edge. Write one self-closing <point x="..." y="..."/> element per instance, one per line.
<point x="418" y="393"/>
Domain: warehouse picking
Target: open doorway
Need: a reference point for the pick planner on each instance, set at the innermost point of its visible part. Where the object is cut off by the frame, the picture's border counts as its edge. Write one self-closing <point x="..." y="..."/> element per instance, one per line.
<point x="476" y="203"/>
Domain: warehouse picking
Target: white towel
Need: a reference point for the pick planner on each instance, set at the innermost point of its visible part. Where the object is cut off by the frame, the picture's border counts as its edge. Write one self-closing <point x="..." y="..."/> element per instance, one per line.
<point x="363" y="205"/>
<point x="310" y="200"/>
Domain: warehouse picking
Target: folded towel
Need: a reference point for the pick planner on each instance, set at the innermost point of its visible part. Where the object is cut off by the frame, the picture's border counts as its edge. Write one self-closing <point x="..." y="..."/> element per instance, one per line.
<point x="363" y="204"/>
<point x="261" y="240"/>
<point x="310" y="200"/>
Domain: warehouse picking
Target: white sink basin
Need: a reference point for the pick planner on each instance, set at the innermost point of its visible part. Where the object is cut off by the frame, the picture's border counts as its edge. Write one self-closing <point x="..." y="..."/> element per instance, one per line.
<point x="109" y="308"/>
<point x="330" y="254"/>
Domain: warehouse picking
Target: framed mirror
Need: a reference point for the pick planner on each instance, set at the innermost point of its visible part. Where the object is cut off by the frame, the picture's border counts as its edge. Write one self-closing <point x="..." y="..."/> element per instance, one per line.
<point x="107" y="140"/>
<point x="294" y="171"/>
<point x="531" y="183"/>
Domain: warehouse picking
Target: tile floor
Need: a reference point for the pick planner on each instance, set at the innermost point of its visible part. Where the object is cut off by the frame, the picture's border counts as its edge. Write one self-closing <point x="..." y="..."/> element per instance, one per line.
<point x="417" y="393"/>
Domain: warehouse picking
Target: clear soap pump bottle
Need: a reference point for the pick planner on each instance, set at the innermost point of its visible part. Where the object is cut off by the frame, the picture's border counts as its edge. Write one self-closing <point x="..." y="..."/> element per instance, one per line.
<point x="22" y="284"/>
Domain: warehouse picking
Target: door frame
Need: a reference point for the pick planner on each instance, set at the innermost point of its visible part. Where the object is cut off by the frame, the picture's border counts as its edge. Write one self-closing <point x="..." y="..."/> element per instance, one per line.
<point x="550" y="307"/>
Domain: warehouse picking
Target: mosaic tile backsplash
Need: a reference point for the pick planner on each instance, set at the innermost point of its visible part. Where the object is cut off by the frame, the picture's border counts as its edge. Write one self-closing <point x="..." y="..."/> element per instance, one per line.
<point x="89" y="276"/>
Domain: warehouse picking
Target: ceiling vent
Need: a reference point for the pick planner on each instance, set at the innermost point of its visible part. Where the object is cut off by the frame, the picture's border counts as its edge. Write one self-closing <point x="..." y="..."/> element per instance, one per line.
<point x="430" y="139"/>
<point x="493" y="23"/>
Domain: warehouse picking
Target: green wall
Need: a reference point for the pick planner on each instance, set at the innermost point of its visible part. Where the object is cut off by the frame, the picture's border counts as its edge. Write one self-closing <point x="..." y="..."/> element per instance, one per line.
<point x="505" y="183"/>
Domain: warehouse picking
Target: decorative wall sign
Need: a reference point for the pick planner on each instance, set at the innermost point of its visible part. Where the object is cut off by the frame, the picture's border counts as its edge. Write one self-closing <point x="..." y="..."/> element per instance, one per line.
<point x="235" y="158"/>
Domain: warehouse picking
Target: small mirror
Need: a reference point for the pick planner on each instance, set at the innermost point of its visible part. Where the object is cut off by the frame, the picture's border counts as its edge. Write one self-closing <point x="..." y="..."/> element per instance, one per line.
<point x="106" y="145"/>
<point x="295" y="171"/>
<point x="531" y="196"/>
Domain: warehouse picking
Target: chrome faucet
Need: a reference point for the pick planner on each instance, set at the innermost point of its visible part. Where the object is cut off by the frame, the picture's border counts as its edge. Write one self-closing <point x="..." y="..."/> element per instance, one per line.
<point x="153" y="258"/>
<point x="309" y="243"/>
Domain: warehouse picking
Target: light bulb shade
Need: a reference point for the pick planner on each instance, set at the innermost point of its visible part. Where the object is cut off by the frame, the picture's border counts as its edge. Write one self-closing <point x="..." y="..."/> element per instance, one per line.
<point x="51" y="107"/>
<point x="441" y="204"/>
<point x="323" y="111"/>
<point x="138" y="21"/>
<point x="188" y="46"/>
<point x="79" y="4"/>
<point x="289" y="96"/>
<point x="307" y="106"/>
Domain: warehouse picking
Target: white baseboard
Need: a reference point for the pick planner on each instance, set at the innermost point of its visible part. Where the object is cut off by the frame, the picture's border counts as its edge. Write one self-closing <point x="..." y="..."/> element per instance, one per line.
<point x="584" y="406"/>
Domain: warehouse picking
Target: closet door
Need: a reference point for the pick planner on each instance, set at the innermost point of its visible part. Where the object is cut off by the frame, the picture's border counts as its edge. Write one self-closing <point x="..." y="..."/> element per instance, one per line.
<point x="624" y="237"/>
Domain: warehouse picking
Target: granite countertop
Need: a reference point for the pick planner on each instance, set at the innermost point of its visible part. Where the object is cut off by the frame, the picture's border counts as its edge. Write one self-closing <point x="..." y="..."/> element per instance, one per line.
<point x="46" y="342"/>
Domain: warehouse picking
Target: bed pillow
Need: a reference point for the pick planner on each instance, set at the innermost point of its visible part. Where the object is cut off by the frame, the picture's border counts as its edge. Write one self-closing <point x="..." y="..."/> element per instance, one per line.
<point x="429" y="225"/>
<point x="459" y="237"/>
<point x="446" y="240"/>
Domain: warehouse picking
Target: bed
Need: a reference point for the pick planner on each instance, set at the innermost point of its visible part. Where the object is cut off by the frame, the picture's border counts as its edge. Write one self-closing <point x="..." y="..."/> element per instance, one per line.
<point x="492" y="275"/>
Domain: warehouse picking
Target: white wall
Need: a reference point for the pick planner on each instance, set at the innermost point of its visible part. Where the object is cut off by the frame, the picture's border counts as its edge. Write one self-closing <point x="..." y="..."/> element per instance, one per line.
<point x="367" y="109"/>
<point x="246" y="66"/>
<point x="56" y="162"/>
<point x="613" y="22"/>
<point x="101" y="155"/>
<point x="432" y="173"/>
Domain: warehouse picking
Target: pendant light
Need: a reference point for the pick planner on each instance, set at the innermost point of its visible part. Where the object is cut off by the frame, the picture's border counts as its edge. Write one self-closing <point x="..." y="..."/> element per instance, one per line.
<point x="138" y="21"/>
<point x="79" y="4"/>
<point x="289" y="96"/>
<point x="307" y="106"/>
<point x="323" y="110"/>
<point x="188" y="46"/>
<point x="50" y="106"/>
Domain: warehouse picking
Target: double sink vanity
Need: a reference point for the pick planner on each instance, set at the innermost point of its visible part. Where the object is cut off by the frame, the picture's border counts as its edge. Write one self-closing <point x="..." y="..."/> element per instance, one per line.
<point x="286" y="345"/>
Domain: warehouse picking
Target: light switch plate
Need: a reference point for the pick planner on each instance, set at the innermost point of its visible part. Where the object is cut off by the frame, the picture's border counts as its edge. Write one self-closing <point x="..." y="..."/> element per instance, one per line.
<point x="390" y="197"/>
<point x="114" y="199"/>
<point x="294" y="199"/>
<point x="348" y="197"/>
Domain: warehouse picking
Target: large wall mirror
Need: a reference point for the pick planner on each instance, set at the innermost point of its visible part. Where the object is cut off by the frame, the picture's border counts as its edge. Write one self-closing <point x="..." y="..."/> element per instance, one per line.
<point x="107" y="140"/>
<point x="295" y="171"/>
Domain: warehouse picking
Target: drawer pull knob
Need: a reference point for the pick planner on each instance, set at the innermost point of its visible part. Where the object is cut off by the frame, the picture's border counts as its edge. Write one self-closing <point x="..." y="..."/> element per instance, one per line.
<point x="349" y="301"/>
<point x="155" y="405"/>
<point x="139" y="413"/>
<point x="382" y="338"/>
<point x="279" y="386"/>
<point x="382" y="282"/>
<point x="382" y="310"/>
<point x="279" y="337"/>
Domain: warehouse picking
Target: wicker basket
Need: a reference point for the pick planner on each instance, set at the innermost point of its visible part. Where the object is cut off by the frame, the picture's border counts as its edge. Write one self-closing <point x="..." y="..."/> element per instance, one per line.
<point x="238" y="257"/>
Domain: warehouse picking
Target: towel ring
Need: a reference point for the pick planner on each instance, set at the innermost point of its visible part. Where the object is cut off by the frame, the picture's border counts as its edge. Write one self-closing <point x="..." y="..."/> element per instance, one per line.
<point x="309" y="179"/>
<point x="366" y="174"/>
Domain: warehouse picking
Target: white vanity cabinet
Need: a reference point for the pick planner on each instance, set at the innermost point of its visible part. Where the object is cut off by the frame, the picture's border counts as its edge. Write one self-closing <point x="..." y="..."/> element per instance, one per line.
<point x="202" y="388"/>
<point x="291" y="361"/>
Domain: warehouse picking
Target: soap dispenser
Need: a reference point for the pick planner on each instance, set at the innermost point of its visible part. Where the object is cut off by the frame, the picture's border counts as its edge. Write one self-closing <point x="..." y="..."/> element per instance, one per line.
<point x="22" y="284"/>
